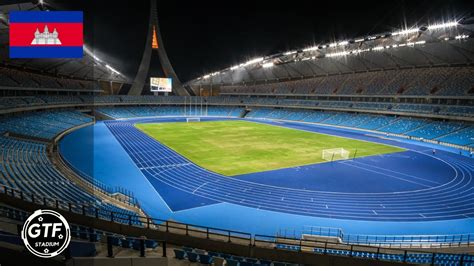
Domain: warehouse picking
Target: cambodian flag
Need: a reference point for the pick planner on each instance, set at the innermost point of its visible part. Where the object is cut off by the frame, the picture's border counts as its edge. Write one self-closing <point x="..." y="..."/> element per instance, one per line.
<point x="46" y="34"/>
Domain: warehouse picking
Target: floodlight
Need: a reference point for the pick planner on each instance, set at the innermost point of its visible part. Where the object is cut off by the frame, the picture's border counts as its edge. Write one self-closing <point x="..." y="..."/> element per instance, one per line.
<point x="310" y="49"/>
<point x="459" y="37"/>
<point x="112" y="69"/>
<point x="267" y="65"/>
<point x="443" y="25"/>
<point x="404" y="32"/>
<point x="253" y="61"/>
<point x="337" y="54"/>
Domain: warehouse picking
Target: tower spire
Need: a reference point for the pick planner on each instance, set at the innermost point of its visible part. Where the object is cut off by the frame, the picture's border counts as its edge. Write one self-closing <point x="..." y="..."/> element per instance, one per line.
<point x="143" y="70"/>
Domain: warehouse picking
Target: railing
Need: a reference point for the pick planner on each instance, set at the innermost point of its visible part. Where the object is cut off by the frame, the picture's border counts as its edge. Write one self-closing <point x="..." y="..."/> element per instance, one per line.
<point x="363" y="251"/>
<point x="391" y="241"/>
<point x="308" y="243"/>
<point x="131" y="220"/>
<point x="91" y="235"/>
<point x="385" y="242"/>
<point x="312" y="230"/>
<point x="412" y="241"/>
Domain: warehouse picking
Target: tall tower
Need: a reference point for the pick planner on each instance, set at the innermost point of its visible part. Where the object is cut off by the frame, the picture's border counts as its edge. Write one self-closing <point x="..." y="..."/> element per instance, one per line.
<point x="154" y="43"/>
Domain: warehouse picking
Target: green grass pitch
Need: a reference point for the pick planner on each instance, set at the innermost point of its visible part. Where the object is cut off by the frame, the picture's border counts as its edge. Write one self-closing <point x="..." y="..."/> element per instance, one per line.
<point x="241" y="147"/>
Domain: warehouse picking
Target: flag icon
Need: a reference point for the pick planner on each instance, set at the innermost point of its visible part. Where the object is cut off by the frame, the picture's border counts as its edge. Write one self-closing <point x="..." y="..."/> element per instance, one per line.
<point x="46" y="34"/>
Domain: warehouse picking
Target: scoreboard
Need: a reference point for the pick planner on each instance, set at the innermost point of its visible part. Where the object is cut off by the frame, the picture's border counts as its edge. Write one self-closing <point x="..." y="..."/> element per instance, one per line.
<point x="160" y="84"/>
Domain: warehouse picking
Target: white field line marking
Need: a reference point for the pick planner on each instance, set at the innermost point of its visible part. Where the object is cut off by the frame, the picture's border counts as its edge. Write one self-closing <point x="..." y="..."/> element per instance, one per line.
<point x="377" y="172"/>
<point x="396" y="172"/>
<point x="200" y="187"/>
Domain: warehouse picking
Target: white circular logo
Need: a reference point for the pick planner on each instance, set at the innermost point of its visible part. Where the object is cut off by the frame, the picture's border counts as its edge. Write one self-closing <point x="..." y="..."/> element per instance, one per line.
<point x="46" y="233"/>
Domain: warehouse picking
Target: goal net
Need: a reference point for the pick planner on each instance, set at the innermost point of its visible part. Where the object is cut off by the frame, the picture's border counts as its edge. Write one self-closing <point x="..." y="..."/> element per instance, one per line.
<point x="193" y="119"/>
<point x="335" y="154"/>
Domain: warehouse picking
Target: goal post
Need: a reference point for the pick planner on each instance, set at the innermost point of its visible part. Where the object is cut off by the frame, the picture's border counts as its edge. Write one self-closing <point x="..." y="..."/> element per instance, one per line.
<point x="193" y="119"/>
<point x="335" y="154"/>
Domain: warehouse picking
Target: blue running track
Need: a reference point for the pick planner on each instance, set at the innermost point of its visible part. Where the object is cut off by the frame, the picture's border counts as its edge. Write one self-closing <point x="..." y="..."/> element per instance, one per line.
<point x="411" y="186"/>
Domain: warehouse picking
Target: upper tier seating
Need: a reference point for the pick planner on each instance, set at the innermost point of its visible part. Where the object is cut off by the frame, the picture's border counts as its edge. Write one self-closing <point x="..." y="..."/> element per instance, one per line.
<point x="357" y="84"/>
<point x="380" y="81"/>
<point x="59" y="99"/>
<point x="100" y="99"/>
<point x="459" y="82"/>
<point x="10" y="102"/>
<point x="429" y="80"/>
<point x="10" y="77"/>
<point x="457" y="110"/>
<point x="452" y="81"/>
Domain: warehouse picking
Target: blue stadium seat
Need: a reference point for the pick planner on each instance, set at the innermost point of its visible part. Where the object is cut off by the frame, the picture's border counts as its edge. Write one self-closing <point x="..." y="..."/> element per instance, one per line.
<point x="205" y="259"/>
<point x="192" y="257"/>
<point x="179" y="254"/>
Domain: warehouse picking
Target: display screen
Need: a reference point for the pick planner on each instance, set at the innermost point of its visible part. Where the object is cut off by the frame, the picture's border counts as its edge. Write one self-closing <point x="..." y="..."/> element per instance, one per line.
<point x="160" y="84"/>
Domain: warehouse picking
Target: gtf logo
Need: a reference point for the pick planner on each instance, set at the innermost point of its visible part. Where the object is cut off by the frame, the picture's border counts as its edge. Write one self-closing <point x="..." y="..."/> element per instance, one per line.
<point x="46" y="233"/>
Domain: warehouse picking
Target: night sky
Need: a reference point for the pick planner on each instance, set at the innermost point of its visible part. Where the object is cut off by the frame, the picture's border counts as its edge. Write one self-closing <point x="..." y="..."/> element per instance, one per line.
<point x="205" y="36"/>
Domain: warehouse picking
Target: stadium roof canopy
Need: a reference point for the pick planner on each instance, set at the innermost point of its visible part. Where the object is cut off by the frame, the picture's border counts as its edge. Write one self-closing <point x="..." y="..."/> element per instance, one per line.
<point x="90" y="67"/>
<point x="443" y="44"/>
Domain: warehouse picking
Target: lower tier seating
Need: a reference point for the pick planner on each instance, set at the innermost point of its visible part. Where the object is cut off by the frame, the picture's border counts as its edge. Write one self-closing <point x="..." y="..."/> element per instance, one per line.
<point x="26" y="167"/>
<point x="132" y="112"/>
<point x="464" y="110"/>
<point x="458" y="133"/>
<point x="45" y="125"/>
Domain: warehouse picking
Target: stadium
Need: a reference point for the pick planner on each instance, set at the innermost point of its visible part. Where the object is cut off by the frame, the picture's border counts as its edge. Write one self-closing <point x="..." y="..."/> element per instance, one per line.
<point x="349" y="152"/>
